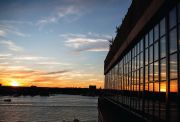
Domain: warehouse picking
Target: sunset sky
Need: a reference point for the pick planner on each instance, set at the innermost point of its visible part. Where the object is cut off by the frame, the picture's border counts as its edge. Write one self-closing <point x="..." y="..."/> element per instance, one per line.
<point x="56" y="43"/>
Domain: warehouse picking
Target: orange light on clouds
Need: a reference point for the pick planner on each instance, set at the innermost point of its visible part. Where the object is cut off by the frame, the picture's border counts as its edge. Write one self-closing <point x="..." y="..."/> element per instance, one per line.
<point x="39" y="78"/>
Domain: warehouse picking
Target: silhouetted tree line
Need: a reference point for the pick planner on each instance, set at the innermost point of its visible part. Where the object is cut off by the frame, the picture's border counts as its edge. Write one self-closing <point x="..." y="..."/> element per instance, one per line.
<point x="44" y="91"/>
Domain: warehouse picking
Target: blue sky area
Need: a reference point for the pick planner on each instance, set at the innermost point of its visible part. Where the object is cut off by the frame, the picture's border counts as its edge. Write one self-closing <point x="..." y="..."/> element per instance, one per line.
<point x="57" y="43"/>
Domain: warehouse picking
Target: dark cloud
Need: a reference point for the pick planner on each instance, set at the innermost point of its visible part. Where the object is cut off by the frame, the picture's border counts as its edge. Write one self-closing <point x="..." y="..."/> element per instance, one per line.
<point x="57" y="72"/>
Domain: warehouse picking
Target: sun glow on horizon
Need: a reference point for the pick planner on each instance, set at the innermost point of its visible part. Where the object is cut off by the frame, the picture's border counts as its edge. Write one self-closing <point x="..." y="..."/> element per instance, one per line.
<point x="14" y="83"/>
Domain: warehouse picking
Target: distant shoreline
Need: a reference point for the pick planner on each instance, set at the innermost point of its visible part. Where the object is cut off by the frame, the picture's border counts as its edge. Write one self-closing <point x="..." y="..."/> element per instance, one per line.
<point x="45" y="91"/>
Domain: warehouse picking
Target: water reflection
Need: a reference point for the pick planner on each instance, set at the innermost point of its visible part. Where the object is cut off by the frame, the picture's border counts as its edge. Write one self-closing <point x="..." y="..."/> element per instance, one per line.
<point x="156" y="51"/>
<point x="49" y="109"/>
<point x="162" y="27"/>
<point x="151" y="72"/>
<point x="162" y="86"/>
<point x="151" y="37"/>
<point x="150" y="54"/>
<point x="173" y="86"/>
<point x="156" y="32"/>
<point x="163" y="47"/>
<point x="156" y="71"/>
<point x="173" y="66"/>
<point x="156" y="86"/>
<point x="151" y="87"/>
<point x="146" y="75"/>
<point x="173" y="40"/>
<point x="172" y="18"/>
<point x="163" y="69"/>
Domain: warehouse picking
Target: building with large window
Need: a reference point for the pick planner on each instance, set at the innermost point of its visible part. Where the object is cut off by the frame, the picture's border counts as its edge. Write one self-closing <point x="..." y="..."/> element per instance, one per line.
<point x="143" y="63"/>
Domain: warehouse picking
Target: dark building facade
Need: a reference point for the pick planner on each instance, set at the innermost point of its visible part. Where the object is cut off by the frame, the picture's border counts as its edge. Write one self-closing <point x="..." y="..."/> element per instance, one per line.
<point x="142" y="67"/>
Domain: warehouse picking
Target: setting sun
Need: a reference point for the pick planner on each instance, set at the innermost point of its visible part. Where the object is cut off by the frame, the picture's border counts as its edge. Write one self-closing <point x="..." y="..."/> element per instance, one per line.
<point x="14" y="83"/>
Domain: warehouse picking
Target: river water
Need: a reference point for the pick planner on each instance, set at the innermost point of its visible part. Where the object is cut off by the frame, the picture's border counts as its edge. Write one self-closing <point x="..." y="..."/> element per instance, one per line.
<point x="57" y="108"/>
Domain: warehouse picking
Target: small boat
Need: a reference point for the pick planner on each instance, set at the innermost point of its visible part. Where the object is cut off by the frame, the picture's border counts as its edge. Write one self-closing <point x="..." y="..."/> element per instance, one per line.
<point x="7" y="100"/>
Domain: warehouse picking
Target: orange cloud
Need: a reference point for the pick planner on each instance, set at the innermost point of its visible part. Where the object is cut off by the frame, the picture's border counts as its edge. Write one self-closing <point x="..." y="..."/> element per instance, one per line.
<point x="62" y="78"/>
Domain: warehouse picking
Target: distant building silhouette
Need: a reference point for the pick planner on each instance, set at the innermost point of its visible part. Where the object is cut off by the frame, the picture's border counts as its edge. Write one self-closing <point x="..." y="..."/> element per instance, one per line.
<point x="142" y="67"/>
<point x="92" y="87"/>
<point x="33" y="86"/>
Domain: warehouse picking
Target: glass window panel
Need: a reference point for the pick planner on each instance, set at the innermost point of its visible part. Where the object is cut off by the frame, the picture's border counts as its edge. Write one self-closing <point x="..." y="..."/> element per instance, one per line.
<point x="129" y="67"/>
<point x="135" y="88"/>
<point x="141" y="87"/>
<point x="151" y="37"/>
<point x="141" y="60"/>
<point x="146" y="41"/>
<point x="163" y="86"/>
<point x="135" y="50"/>
<point x="132" y="52"/>
<point x="162" y="27"/>
<point x="151" y="72"/>
<point x="126" y="58"/>
<point x="138" y="48"/>
<point x="133" y="64"/>
<point x="156" y="32"/>
<point x="126" y="69"/>
<point x="156" y="51"/>
<point x="137" y="61"/>
<point x="151" y="87"/>
<point x="146" y="86"/>
<point x="172" y="18"/>
<point x="150" y="54"/>
<point x="141" y="45"/>
<point x="173" y="86"/>
<point x="173" y="66"/>
<point x="129" y="55"/>
<point x="146" y="55"/>
<point x="146" y="73"/>
<point x="173" y="40"/>
<point x="141" y="75"/>
<point x="163" y="47"/>
<point x="132" y="78"/>
<point x="163" y="69"/>
<point x="156" y="86"/>
<point x="156" y="71"/>
<point x="137" y="79"/>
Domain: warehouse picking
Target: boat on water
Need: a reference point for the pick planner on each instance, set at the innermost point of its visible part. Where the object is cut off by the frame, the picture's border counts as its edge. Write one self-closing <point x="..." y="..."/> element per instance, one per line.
<point x="7" y="100"/>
